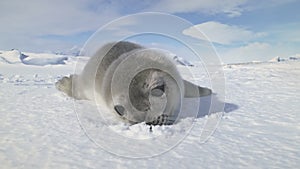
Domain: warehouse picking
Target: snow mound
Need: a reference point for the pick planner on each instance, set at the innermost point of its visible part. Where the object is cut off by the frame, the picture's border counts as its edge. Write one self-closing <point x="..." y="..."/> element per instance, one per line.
<point x="44" y="59"/>
<point x="277" y="59"/>
<point x="273" y="60"/>
<point x="295" y="57"/>
<point x="11" y="57"/>
<point x="182" y="61"/>
<point x="74" y="51"/>
<point x="291" y="58"/>
<point x="37" y="59"/>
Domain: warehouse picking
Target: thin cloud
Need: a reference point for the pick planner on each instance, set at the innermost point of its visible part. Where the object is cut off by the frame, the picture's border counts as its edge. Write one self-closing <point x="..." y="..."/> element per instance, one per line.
<point x="255" y="51"/>
<point x="221" y="33"/>
<point x="230" y="7"/>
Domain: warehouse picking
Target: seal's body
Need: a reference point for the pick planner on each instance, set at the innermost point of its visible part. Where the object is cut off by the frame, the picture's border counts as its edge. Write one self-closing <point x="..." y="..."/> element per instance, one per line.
<point x="136" y="83"/>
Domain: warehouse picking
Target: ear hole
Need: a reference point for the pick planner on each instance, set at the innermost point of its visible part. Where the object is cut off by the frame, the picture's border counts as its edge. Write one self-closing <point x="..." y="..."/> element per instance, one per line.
<point x="158" y="91"/>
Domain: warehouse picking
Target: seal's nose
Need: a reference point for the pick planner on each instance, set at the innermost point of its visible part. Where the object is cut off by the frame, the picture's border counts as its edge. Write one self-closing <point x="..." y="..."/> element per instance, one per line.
<point x="119" y="109"/>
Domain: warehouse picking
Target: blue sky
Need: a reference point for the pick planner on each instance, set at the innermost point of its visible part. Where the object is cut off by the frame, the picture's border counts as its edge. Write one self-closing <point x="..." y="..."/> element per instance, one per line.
<point x="240" y="30"/>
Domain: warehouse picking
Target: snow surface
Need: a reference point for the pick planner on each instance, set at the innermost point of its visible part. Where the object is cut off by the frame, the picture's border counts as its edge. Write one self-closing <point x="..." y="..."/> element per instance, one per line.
<point x="39" y="126"/>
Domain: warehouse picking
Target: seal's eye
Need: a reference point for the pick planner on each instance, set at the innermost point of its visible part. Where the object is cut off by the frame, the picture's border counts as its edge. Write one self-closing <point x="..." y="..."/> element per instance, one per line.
<point x="158" y="91"/>
<point x="119" y="109"/>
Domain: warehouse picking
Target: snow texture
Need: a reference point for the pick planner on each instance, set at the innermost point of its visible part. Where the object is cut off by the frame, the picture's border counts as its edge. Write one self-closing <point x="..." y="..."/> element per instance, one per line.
<point x="39" y="127"/>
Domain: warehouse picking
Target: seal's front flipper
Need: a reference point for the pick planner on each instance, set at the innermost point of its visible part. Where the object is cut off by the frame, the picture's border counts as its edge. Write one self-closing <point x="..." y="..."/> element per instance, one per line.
<point x="192" y="90"/>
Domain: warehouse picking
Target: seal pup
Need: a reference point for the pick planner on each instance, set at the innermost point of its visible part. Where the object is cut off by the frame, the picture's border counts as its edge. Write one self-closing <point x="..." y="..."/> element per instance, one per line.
<point x="135" y="83"/>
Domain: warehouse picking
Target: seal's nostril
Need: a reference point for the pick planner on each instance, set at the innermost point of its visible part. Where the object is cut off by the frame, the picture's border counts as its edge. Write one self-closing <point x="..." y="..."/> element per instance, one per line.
<point x="158" y="91"/>
<point x="119" y="109"/>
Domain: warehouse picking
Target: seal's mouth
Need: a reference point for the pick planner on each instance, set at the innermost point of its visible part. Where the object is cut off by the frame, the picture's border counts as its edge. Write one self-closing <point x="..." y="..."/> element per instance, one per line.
<point x="161" y="120"/>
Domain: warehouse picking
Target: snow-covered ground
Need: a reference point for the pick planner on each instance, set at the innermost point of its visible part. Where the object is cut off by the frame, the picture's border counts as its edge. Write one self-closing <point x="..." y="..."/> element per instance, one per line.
<point x="39" y="127"/>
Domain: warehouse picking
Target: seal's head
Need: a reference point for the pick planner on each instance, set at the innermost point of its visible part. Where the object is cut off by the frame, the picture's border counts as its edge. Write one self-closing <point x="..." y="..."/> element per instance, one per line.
<point x="65" y="85"/>
<point x="69" y="86"/>
<point x="154" y="97"/>
<point x="146" y="87"/>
